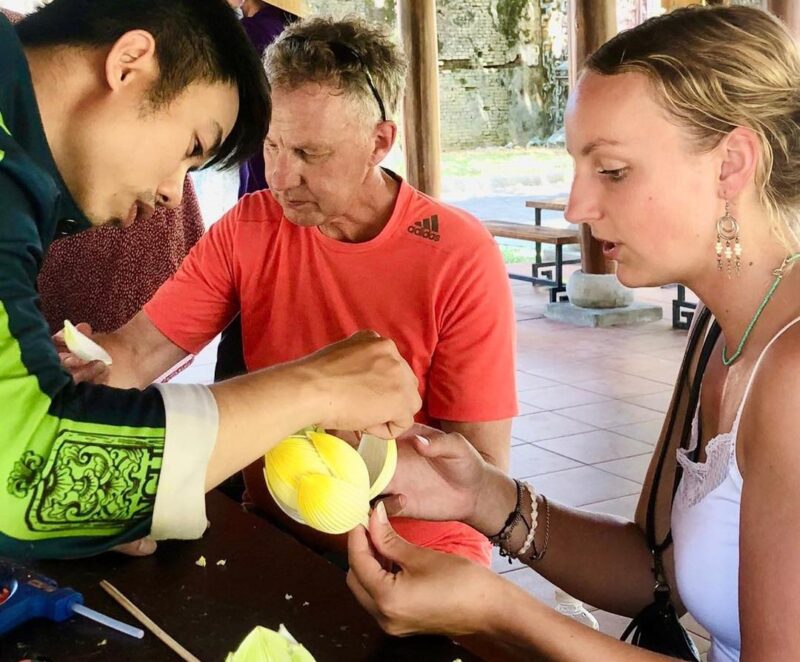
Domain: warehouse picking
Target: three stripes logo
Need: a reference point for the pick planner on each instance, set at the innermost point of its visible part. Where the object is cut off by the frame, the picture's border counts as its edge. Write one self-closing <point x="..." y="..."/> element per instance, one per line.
<point x="427" y="228"/>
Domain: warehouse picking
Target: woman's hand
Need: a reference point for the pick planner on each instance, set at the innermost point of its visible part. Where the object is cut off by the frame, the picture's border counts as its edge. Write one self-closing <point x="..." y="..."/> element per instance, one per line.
<point x="441" y="476"/>
<point x="428" y="592"/>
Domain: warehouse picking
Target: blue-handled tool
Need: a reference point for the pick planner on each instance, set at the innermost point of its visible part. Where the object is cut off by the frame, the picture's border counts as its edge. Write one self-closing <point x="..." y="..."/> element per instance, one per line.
<point x="25" y="595"/>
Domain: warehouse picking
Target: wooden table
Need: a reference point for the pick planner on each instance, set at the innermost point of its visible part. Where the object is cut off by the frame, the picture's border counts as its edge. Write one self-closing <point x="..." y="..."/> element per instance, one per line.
<point x="268" y="578"/>
<point x="551" y="204"/>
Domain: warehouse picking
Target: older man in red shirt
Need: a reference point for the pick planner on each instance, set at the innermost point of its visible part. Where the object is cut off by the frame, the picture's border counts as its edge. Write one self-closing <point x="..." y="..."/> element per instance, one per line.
<point x="339" y="244"/>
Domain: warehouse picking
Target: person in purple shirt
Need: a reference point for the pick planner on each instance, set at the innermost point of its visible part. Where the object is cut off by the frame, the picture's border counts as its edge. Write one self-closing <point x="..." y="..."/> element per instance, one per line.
<point x="263" y="22"/>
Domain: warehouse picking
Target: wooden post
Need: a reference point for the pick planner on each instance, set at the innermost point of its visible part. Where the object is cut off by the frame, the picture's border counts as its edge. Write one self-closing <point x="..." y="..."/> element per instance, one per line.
<point x="421" y="106"/>
<point x="593" y="23"/>
<point x="788" y="12"/>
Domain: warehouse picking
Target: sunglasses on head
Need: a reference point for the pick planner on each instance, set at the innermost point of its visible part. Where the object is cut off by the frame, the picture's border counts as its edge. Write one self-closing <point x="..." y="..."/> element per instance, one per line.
<point x="347" y="55"/>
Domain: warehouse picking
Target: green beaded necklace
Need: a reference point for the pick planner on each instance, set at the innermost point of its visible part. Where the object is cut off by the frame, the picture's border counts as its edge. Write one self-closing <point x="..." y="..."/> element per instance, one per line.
<point x="778" y="273"/>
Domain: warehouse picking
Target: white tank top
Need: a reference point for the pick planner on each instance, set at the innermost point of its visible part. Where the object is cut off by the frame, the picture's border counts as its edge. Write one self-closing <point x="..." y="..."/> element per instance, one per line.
<point x="705" y="529"/>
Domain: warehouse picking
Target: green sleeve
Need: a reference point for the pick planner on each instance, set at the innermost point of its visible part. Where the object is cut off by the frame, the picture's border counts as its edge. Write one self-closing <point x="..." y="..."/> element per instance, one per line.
<point x="79" y="464"/>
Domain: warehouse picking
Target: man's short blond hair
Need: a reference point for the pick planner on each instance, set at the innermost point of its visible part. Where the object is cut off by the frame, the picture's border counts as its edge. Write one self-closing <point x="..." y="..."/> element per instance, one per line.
<point x="344" y="54"/>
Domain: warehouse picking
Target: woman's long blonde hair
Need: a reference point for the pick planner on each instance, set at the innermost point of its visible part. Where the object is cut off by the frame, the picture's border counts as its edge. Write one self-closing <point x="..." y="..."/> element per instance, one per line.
<point x="718" y="68"/>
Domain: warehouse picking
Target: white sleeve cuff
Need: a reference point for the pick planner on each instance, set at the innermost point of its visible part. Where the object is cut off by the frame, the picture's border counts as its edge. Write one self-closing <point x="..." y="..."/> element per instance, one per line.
<point x="192" y="425"/>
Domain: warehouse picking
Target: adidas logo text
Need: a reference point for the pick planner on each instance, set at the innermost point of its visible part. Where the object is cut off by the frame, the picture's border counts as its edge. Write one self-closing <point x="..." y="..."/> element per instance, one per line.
<point x="427" y="228"/>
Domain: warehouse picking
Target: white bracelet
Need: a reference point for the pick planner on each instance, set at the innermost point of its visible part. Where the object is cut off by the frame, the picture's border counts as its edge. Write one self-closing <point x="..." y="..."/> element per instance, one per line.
<point x="534" y="520"/>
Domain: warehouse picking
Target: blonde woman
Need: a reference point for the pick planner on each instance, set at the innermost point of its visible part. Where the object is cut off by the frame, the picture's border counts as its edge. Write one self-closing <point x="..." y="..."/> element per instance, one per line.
<point x="686" y="143"/>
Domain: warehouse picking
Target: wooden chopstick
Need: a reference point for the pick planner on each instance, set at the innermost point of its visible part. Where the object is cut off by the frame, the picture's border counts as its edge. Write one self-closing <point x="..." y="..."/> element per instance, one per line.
<point x="140" y="616"/>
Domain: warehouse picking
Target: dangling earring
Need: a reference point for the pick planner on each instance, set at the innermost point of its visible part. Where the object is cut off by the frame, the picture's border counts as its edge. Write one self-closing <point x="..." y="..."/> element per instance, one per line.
<point x="728" y="242"/>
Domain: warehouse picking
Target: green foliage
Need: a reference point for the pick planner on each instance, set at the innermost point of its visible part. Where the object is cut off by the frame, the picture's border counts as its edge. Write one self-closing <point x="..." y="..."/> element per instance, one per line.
<point x="509" y="15"/>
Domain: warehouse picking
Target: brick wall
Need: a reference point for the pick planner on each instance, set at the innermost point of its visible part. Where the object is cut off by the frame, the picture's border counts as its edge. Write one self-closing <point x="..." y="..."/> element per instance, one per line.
<point x="492" y="72"/>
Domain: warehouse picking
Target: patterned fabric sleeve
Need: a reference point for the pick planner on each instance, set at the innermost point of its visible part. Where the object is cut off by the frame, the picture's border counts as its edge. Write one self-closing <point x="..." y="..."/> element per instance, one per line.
<point x="80" y="465"/>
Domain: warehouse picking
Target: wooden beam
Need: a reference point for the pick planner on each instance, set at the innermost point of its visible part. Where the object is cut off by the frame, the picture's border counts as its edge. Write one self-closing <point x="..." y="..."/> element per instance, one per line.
<point x="421" y="129"/>
<point x="789" y="12"/>
<point x="593" y="23"/>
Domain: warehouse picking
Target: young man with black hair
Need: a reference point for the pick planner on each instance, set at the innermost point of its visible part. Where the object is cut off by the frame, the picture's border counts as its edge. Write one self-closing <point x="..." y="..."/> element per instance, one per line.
<point x="105" y="105"/>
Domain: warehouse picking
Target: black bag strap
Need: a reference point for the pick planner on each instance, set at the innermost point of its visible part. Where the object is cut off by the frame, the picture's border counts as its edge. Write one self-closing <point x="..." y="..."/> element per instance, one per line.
<point x="694" y="395"/>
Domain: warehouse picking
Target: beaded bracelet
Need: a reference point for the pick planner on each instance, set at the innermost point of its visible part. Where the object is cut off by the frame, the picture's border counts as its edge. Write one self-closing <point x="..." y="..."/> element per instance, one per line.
<point x="534" y="521"/>
<point x="514" y="518"/>
<point x="501" y="538"/>
<point x="539" y="555"/>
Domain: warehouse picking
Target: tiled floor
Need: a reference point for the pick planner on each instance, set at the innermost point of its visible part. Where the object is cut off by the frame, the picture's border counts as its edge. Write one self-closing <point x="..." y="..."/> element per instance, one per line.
<point x="591" y="406"/>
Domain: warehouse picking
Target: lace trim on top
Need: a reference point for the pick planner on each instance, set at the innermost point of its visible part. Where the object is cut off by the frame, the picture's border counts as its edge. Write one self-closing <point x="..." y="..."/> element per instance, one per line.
<point x="701" y="478"/>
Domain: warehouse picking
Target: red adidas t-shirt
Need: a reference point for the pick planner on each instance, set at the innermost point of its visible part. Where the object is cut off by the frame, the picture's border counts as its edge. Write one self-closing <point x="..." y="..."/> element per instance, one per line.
<point x="433" y="281"/>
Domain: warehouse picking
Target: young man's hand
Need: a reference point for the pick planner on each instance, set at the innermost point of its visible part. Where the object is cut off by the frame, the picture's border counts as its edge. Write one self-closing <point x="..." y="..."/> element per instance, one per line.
<point x="95" y="372"/>
<point x="365" y="385"/>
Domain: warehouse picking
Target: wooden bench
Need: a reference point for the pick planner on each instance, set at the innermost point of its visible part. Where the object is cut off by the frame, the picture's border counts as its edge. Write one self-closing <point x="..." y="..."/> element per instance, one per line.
<point x="558" y="237"/>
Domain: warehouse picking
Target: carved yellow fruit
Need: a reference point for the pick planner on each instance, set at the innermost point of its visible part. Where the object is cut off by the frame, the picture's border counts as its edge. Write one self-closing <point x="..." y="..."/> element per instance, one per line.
<point x="320" y="480"/>
<point x="264" y="645"/>
<point x="83" y="346"/>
